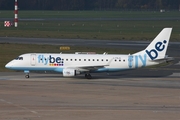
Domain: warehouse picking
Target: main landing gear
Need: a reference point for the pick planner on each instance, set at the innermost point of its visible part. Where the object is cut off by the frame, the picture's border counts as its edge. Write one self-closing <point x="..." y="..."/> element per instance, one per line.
<point x="88" y="76"/>
<point x="26" y="73"/>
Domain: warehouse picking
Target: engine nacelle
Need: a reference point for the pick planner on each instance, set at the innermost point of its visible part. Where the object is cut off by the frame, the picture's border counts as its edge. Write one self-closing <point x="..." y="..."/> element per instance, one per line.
<point x="70" y="72"/>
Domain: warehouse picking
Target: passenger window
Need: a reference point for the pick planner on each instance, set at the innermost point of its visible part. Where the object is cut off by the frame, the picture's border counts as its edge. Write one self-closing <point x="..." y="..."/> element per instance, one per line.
<point x="106" y="59"/>
<point x="79" y="59"/>
<point x="66" y="59"/>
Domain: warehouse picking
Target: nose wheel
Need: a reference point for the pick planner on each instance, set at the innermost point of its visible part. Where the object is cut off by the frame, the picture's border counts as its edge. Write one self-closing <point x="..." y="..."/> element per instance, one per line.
<point x="26" y="73"/>
<point x="27" y="76"/>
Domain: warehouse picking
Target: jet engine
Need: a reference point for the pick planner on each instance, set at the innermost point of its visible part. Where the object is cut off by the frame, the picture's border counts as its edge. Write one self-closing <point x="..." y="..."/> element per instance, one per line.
<point x="70" y="72"/>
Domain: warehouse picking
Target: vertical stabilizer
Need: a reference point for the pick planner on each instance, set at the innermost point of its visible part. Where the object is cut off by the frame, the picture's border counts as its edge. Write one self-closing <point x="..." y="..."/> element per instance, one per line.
<point x="158" y="47"/>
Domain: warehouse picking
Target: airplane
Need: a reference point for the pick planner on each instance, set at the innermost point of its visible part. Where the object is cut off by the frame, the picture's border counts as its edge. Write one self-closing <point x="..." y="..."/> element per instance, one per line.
<point x="75" y="64"/>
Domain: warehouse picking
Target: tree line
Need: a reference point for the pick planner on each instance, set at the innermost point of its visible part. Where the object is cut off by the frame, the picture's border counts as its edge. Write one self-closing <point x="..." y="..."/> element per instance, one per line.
<point x="90" y="4"/>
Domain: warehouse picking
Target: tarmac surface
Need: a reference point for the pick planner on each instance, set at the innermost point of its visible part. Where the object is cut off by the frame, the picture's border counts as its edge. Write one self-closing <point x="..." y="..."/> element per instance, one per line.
<point x="105" y="97"/>
<point x="143" y="94"/>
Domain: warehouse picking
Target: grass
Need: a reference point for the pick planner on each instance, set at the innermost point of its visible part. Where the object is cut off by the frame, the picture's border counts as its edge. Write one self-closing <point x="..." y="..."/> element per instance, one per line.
<point x="109" y="30"/>
<point x="11" y="51"/>
<point x="99" y="29"/>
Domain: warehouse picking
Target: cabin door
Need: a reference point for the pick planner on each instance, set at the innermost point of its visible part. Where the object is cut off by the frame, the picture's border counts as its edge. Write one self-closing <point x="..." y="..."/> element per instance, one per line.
<point x="33" y="59"/>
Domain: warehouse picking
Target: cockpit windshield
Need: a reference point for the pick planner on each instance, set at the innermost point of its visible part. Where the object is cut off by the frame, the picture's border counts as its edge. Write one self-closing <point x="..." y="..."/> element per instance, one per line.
<point x="19" y="58"/>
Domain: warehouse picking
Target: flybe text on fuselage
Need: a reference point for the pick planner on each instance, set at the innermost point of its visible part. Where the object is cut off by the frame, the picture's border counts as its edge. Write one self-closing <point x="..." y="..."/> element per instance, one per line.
<point x="134" y="61"/>
<point x="50" y="60"/>
<point x="159" y="47"/>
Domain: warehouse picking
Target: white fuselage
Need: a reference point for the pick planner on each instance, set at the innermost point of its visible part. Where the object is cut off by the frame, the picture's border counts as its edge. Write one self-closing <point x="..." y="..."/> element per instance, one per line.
<point x="57" y="62"/>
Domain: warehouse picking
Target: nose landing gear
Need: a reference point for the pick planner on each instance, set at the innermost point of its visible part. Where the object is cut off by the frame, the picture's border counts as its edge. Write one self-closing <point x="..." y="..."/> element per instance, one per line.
<point x="26" y="73"/>
<point x="27" y="76"/>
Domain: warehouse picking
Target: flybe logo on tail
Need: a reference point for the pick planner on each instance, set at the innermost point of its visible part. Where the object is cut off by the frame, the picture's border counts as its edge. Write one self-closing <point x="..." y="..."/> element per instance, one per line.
<point x="159" y="47"/>
<point x="51" y="61"/>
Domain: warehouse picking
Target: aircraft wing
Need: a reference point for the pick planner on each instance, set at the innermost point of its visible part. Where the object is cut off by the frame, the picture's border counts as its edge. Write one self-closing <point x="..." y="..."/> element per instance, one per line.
<point x="85" y="68"/>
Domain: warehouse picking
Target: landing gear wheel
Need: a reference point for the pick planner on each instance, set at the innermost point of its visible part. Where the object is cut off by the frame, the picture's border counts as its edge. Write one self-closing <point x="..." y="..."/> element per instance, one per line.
<point x="26" y="76"/>
<point x="88" y="76"/>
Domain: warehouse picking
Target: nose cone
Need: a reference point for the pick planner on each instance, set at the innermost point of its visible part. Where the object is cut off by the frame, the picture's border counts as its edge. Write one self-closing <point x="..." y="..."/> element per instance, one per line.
<point x="9" y="65"/>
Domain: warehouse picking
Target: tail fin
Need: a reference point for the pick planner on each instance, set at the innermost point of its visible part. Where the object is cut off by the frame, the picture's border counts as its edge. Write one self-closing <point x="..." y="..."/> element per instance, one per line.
<point x="158" y="47"/>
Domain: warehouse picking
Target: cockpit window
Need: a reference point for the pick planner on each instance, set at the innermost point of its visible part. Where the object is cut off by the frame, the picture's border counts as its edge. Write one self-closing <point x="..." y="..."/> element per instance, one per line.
<point x="19" y="58"/>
